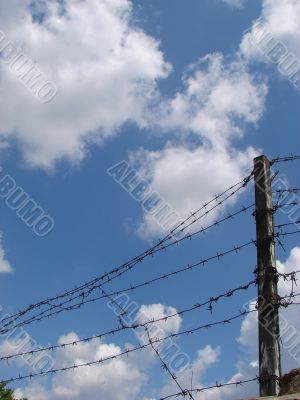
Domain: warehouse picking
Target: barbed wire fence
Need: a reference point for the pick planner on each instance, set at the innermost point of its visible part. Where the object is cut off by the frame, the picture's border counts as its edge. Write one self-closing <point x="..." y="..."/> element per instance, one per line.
<point x="85" y="294"/>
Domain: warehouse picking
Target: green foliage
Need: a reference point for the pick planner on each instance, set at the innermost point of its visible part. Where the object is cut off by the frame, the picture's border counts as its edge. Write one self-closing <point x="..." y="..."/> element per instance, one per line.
<point x="6" y="394"/>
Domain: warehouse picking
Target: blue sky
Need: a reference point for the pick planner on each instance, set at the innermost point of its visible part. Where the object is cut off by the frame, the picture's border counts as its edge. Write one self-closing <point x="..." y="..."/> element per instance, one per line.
<point x="175" y="89"/>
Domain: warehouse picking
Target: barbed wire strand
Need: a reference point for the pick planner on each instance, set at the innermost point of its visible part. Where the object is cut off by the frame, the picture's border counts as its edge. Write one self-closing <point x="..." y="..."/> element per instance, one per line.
<point x="129" y="351"/>
<point x="143" y="325"/>
<point x="281" y="205"/>
<point x="285" y="159"/>
<point x="137" y="259"/>
<point x="289" y="190"/>
<point x="243" y="183"/>
<point x="283" y="234"/>
<point x="219" y="386"/>
<point x="184" y="392"/>
<point x="43" y="314"/>
<point x="287" y="224"/>
<point x="219" y="203"/>
<point x="83" y="294"/>
<point x="210" y="302"/>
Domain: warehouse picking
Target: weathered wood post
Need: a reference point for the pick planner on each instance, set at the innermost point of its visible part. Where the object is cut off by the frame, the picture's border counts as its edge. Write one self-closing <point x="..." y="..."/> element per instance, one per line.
<point x="268" y="310"/>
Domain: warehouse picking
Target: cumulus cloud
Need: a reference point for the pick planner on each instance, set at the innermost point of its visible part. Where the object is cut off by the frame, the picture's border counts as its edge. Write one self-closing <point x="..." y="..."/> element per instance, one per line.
<point x="118" y="379"/>
<point x="106" y="72"/>
<point x="129" y="374"/>
<point x="219" y="99"/>
<point x="247" y="366"/>
<point x="105" y="68"/>
<point x="290" y="325"/>
<point x="159" y="329"/>
<point x="5" y="266"/>
<point x="174" y="170"/>
<point x="195" y="377"/>
<point x="219" y="96"/>
<point x="205" y="358"/>
<point x="280" y="20"/>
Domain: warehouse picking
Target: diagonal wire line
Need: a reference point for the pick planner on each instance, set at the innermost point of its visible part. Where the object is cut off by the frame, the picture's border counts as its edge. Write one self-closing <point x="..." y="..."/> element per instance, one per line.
<point x="42" y="315"/>
<point x="160" y="246"/>
<point x="241" y="184"/>
<point x="184" y="392"/>
<point x="287" y="224"/>
<point x="205" y="213"/>
<point x="219" y="386"/>
<point x="129" y="351"/>
<point x="285" y="159"/>
<point x="83" y="294"/>
<point x="215" y="223"/>
<point x="289" y="190"/>
<point x="283" y="234"/>
<point x="281" y="205"/>
<point x="210" y="302"/>
<point x="61" y="307"/>
<point x="137" y="259"/>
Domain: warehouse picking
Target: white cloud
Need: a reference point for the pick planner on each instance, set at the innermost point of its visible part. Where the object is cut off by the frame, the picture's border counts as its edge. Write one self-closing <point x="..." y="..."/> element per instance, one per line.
<point x="280" y="18"/>
<point x="290" y="316"/>
<point x="249" y="329"/>
<point x="161" y="328"/>
<point x="205" y="358"/>
<point x="235" y="3"/>
<point x="218" y="100"/>
<point x="247" y="366"/>
<point x="118" y="379"/>
<point x="105" y="68"/>
<point x="291" y="264"/>
<point x="129" y="374"/>
<point x="5" y="266"/>
<point x="186" y="177"/>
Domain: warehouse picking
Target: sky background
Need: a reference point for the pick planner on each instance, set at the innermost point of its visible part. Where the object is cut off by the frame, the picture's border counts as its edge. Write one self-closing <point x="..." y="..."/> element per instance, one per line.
<point x="177" y="90"/>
